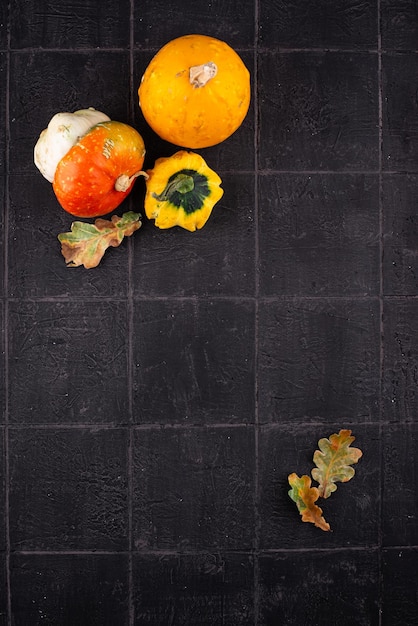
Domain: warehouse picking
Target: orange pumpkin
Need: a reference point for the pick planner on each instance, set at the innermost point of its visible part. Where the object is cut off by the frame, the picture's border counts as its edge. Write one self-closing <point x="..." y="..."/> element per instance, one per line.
<point x="98" y="172"/>
<point x="195" y="92"/>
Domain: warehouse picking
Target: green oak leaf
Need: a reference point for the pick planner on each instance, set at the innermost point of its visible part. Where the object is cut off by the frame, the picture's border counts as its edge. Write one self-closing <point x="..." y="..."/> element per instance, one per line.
<point x="86" y="243"/>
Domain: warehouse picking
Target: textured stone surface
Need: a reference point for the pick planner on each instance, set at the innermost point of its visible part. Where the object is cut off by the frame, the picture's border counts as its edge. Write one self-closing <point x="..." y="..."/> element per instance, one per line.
<point x="70" y="589"/>
<point x="301" y="588"/>
<point x="400" y="509"/>
<point x="68" y="489"/>
<point x="194" y="362"/>
<point x="205" y="485"/>
<point x="152" y="408"/>
<point x="199" y="589"/>
<point x="400" y="108"/>
<point x="318" y="111"/>
<point x="399" y="595"/>
<point x="303" y="24"/>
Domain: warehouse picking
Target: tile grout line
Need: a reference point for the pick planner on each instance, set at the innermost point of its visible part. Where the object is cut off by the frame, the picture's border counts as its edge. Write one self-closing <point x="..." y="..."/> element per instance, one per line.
<point x="6" y="326"/>
<point x="381" y="292"/>
<point x="238" y="299"/>
<point x="172" y="426"/>
<point x="256" y="565"/>
<point x="204" y="552"/>
<point x="130" y="311"/>
<point x="273" y="49"/>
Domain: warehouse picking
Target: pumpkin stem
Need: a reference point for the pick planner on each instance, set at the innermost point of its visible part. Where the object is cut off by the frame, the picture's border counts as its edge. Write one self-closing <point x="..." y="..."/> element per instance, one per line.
<point x="183" y="183"/>
<point x="123" y="182"/>
<point x="199" y="75"/>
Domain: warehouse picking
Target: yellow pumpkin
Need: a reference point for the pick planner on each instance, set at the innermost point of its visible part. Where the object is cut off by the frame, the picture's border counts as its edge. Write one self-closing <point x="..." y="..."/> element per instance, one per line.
<point x="195" y="92"/>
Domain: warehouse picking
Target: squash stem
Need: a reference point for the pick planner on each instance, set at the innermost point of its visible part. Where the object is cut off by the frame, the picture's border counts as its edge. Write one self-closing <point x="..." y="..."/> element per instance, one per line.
<point x="183" y="183"/>
<point x="199" y="75"/>
<point x="123" y="182"/>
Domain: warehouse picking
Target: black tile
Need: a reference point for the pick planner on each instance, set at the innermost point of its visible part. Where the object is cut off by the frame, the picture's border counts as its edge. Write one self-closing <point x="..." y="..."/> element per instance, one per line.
<point x="57" y="24"/>
<point x="3" y="97"/>
<point x="319" y="234"/>
<point x="399" y="595"/>
<point x="193" y="489"/>
<point x="157" y="23"/>
<point x="69" y="589"/>
<point x="399" y="24"/>
<point x="3" y="590"/>
<point x="2" y="233"/>
<point x="68" y="362"/>
<point x="194" y="362"/>
<point x="319" y="588"/>
<point x="318" y="111"/>
<point x="194" y="265"/>
<point x="4" y="23"/>
<point x="352" y="510"/>
<point x="50" y="82"/>
<point x="304" y="24"/>
<point x="400" y="484"/>
<point x="2" y="492"/>
<point x="200" y="589"/>
<point x="400" y="112"/>
<point x="400" y="374"/>
<point x="36" y="265"/>
<point x="2" y="367"/>
<point x="319" y="360"/>
<point x="400" y="267"/>
<point x="235" y="153"/>
<point x="68" y="489"/>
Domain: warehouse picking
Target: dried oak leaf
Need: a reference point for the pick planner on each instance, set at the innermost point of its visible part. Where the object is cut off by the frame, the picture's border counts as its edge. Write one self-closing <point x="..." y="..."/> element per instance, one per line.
<point x="86" y="243"/>
<point x="305" y="497"/>
<point x="333" y="461"/>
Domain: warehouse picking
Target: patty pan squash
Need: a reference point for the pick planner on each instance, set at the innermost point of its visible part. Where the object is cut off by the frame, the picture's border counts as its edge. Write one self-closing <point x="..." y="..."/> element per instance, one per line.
<point x="181" y="190"/>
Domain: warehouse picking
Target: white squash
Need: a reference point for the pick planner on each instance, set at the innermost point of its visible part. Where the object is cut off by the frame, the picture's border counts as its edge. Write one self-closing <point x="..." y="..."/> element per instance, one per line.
<point x="64" y="130"/>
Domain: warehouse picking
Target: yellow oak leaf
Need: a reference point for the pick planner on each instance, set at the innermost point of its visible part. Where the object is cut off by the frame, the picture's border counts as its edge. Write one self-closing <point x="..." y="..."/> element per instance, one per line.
<point x="305" y="497"/>
<point x="333" y="461"/>
<point x="87" y="243"/>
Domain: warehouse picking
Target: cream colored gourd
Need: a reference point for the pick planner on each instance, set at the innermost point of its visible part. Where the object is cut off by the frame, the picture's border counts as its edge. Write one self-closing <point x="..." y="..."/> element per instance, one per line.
<point x="62" y="133"/>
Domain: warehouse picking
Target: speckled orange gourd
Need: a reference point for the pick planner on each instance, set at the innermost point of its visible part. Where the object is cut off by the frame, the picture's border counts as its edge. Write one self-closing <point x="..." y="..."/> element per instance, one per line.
<point x="195" y="92"/>
<point x="98" y="172"/>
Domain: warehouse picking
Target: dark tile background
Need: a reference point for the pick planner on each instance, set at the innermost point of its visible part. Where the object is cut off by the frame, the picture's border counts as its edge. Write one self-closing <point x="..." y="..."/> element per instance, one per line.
<point x="65" y="588"/>
<point x="152" y="409"/>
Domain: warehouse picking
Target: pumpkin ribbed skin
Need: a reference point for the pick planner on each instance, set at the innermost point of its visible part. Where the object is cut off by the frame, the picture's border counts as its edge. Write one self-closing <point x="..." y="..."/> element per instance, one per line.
<point x="85" y="178"/>
<point x="195" y="116"/>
